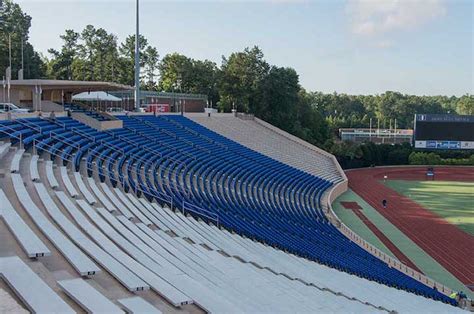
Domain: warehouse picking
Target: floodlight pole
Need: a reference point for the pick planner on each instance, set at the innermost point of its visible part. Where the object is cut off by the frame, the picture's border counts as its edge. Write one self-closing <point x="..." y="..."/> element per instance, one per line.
<point x="137" y="62"/>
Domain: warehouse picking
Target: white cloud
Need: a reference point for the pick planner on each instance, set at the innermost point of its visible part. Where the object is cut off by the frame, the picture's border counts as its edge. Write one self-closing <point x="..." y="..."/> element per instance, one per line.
<point x="376" y="17"/>
<point x="384" y="43"/>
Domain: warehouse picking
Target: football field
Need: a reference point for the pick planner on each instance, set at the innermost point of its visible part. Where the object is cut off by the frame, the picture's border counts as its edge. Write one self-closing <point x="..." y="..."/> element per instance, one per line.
<point x="454" y="201"/>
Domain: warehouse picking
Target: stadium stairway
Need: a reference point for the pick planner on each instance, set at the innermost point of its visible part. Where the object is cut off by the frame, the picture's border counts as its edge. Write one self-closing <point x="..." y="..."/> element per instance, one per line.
<point x="257" y="136"/>
<point x="120" y="159"/>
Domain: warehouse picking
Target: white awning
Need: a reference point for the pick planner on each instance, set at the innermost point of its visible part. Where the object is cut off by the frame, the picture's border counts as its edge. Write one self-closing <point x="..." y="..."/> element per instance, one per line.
<point x="95" y="96"/>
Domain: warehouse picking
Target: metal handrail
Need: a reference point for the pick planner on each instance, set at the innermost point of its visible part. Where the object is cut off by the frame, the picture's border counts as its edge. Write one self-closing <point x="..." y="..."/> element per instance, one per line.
<point x="55" y="121"/>
<point x="25" y="122"/>
<point x="188" y="207"/>
<point x="19" y="138"/>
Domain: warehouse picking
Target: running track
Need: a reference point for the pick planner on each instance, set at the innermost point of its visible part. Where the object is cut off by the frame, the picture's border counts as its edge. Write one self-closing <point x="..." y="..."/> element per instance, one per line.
<point x="447" y="244"/>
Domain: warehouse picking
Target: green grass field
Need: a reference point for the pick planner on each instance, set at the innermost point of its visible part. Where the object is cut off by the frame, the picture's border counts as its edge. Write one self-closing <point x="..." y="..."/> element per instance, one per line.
<point x="453" y="201"/>
<point x="422" y="260"/>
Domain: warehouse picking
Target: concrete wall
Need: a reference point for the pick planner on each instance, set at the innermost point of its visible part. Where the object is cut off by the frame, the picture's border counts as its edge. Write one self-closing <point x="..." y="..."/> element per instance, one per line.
<point x="9" y="116"/>
<point x="96" y="124"/>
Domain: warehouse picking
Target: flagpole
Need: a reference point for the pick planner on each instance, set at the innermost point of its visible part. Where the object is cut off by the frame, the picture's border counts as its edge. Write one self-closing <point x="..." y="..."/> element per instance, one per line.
<point x="10" y="50"/>
<point x="40" y="92"/>
<point x="8" y="89"/>
<point x="137" y="60"/>
<point x="4" y="85"/>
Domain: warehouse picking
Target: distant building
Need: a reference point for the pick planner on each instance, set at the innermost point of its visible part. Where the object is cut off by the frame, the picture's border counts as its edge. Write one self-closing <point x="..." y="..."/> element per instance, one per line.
<point x="176" y="102"/>
<point x="378" y="136"/>
<point x="50" y="95"/>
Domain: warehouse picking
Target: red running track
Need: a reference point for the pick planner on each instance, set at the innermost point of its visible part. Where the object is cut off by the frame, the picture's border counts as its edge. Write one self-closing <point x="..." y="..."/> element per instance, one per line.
<point x="379" y="234"/>
<point x="447" y="244"/>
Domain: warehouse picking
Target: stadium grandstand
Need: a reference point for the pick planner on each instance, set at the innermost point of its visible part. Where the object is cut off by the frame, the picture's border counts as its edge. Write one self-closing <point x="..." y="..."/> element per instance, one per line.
<point x="218" y="213"/>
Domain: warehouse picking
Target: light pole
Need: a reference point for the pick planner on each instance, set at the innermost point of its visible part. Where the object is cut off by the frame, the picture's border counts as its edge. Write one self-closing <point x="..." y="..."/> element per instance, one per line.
<point x="137" y="61"/>
<point x="4" y="86"/>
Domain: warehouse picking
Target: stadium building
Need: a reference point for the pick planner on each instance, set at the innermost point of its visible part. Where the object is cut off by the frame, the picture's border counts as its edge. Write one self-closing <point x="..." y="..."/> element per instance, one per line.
<point x="378" y="136"/>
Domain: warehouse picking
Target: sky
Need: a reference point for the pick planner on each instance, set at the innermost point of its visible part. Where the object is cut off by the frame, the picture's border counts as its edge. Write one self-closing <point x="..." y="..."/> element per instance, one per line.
<point x="421" y="47"/>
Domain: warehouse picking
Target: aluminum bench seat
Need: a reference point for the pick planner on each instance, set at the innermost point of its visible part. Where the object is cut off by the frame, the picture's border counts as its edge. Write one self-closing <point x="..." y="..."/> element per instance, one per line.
<point x="15" y="165"/>
<point x="78" y="260"/>
<point x="91" y="300"/>
<point x="4" y="149"/>
<point x="50" y="175"/>
<point x="138" y="305"/>
<point x="118" y="204"/>
<point x="100" y="196"/>
<point x="140" y="264"/>
<point x="67" y="182"/>
<point x="34" y="168"/>
<point x="134" y="210"/>
<point x="30" y="288"/>
<point x="104" y="255"/>
<point x="82" y="187"/>
<point x="28" y="240"/>
<point x="145" y="211"/>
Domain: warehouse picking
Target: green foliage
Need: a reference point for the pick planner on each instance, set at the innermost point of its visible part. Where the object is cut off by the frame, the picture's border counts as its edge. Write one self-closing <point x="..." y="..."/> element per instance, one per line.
<point x="241" y="75"/>
<point x="424" y="158"/>
<point x="350" y="111"/>
<point x="465" y="105"/>
<point x="179" y="73"/>
<point x="60" y="67"/>
<point x="14" y="23"/>
<point x="95" y="55"/>
<point x="353" y="155"/>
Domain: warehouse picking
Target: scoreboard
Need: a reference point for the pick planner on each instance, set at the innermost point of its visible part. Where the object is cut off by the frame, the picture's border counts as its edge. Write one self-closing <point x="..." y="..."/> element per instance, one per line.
<point x="443" y="131"/>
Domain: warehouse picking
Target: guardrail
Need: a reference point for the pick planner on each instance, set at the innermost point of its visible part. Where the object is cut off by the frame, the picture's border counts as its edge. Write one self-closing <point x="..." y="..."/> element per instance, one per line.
<point x="18" y="137"/>
<point x="188" y="207"/>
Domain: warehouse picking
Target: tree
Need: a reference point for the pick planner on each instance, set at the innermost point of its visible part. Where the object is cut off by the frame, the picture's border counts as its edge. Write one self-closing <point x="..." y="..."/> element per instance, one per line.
<point x="205" y="79"/>
<point x="97" y="58"/>
<point x="60" y="66"/>
<point x="465" y="105"/>
<point x="151" y="66"/>
<point x="277" y="97"/>
<point x="15" y="24"/>
<point x="176" y="73"/>
<point x="241" y="75"/>
<point x="126" y="71"/>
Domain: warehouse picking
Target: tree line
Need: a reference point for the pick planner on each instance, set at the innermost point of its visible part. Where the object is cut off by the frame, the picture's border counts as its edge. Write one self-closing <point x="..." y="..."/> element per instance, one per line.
<point x="243" y="80"/>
